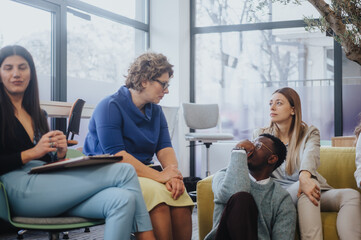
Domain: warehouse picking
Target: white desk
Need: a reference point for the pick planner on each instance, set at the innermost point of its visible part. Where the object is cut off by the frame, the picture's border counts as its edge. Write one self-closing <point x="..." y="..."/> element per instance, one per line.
<point x="61" y="109"/>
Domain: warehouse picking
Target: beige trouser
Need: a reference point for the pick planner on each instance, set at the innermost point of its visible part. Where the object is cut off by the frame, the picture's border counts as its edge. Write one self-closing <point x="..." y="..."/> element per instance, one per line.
<point x="347" y="202"/>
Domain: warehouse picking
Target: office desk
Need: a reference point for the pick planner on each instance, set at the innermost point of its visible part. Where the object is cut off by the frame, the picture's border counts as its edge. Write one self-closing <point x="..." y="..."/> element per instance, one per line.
<point x="61" y="109"/>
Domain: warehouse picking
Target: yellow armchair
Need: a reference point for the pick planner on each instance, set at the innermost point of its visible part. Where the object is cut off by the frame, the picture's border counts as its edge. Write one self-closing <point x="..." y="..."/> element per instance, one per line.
<point x="337" y="166"/>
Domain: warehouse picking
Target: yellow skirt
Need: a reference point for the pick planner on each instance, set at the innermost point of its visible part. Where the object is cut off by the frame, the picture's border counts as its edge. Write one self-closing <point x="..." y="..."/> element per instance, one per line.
<point x="155" y="193"/>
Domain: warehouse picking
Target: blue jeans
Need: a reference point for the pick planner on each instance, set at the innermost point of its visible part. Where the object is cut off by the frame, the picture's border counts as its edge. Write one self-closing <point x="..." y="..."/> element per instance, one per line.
<point x="109" y="192"/>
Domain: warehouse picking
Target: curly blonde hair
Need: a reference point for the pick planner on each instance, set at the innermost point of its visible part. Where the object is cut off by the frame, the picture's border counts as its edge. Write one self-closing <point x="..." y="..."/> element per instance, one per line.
<point x="147" y="67"/>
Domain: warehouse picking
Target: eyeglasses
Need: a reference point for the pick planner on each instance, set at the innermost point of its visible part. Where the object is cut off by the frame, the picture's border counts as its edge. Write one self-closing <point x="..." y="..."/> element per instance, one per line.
<point x="258" y="146"/>
<point x="164" y="85"/>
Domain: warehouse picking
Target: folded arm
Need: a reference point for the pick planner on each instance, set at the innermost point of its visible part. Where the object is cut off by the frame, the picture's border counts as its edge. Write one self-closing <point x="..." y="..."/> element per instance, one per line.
<point x="233" y="179"/>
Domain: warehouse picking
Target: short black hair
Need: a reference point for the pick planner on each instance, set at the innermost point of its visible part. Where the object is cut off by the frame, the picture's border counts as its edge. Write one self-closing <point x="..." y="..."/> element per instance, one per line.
<point x="279" y="147"/>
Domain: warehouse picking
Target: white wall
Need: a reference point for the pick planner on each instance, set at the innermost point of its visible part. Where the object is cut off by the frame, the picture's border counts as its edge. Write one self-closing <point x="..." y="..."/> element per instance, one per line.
<point x="219" y="156"/>
<point x="170" y="35"/>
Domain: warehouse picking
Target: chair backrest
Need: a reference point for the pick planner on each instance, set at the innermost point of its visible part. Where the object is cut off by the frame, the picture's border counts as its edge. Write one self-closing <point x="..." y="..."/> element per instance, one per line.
<point x="171" y="115"/>
<point x="343" y="141"/>
<point x="200" y="116"/>
<point x="74" y="118"/>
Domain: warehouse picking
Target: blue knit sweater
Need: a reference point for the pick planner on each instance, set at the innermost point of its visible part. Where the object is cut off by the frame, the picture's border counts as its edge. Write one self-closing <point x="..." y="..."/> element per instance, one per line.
<point x="277" y="214"/>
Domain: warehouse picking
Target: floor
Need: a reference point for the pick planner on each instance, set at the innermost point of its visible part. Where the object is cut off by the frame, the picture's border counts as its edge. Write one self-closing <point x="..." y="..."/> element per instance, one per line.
<point x="96" y="233"/>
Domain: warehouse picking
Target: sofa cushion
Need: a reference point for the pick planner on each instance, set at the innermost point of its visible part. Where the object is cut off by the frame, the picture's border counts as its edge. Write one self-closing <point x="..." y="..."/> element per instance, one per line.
<point x="338" y="166"/>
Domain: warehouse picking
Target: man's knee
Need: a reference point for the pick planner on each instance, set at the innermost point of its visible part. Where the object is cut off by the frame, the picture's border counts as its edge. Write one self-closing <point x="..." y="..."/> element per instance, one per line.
<point x="245" y="196"/>
<point x="242" y="198"/>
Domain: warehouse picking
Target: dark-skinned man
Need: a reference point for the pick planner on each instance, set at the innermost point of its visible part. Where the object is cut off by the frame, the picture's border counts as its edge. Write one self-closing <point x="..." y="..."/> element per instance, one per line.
<point x="248" y="203"/>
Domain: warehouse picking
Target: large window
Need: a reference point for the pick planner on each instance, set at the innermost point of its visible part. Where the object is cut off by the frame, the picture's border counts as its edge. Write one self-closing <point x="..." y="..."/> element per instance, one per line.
<point x="99" y="54"/>
<point x="81" y="48"/>
<point x="243" y="54"/>
<point x="101" y="40"/>
<point x="135" y="9"/>
<point x="248" y="67"/>
<point x="230" y="12"/>
<point x="33" y="31"/>
<point x="351" y="97"/>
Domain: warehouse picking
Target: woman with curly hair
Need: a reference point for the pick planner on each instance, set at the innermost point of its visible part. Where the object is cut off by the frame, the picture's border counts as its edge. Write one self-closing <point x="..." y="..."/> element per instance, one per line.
<point x="130" y="123"/>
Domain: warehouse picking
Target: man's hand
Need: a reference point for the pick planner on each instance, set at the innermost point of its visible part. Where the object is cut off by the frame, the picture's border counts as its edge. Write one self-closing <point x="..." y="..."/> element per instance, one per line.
<point x="176" y="187"/>
<point x="247" y="145"/>
<point x="309" y="187"/>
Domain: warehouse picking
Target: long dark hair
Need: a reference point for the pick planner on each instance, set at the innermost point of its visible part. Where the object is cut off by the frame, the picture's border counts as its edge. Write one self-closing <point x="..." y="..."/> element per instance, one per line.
<point x="31" y="102"/>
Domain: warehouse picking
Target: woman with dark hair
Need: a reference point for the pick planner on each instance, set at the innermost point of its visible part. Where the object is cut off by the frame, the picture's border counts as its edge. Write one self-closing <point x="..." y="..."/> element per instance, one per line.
<point x="299" y="176"/>
<point x="108" y="191"/>
<point x="130" y="123"/>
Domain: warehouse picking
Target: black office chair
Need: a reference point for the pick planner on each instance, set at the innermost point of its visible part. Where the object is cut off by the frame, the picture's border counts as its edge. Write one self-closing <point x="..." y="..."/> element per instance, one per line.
<point x="74" y="121"/>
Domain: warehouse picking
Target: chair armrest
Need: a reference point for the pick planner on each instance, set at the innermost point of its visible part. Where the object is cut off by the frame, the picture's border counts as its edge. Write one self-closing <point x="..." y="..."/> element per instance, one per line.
<point x="72" y="142"/>
<point x="205" y="206"/>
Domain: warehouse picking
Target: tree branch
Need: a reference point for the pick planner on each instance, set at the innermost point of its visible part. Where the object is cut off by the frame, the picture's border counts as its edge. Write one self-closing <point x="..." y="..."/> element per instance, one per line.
<point x="352" y="50"/>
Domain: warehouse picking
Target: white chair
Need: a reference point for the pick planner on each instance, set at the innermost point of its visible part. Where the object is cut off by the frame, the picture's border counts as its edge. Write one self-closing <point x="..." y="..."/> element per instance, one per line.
<point x="203" y="116"/>
<point x="171" y="115"/>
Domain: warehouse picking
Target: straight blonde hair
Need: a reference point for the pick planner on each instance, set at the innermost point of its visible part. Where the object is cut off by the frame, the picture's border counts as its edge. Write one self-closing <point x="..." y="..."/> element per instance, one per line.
<point x="296" y="132"/>
<point x="358" y="129"/>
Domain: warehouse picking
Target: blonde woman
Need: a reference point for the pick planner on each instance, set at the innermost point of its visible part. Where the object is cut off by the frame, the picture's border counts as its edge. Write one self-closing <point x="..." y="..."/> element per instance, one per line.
<point x="358" y="155"/>
<point x="298" y="175"/>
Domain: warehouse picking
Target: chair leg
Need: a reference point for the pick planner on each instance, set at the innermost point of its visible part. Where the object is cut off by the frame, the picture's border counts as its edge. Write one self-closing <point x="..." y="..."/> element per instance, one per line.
<point x="86" y="229"/>
<point x="65" y="235"/>
<point x="53" y="235"/>
<point x="21" y="233"/>
<point x="208" y="173"/>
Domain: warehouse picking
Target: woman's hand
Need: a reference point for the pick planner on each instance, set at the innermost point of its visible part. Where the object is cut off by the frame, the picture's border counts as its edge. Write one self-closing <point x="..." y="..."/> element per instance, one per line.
<point x="59" y="142"/>
<point x="170" y="172"/>
<point x="44" y="146"/>
<point x="49" y="142"/>
<point x="176" y="187"/>
<point x="309" y="187"/>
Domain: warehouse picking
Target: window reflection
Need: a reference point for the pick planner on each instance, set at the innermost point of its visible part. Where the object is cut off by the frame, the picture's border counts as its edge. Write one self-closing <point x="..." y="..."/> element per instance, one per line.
<point x="242" y="70"/>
